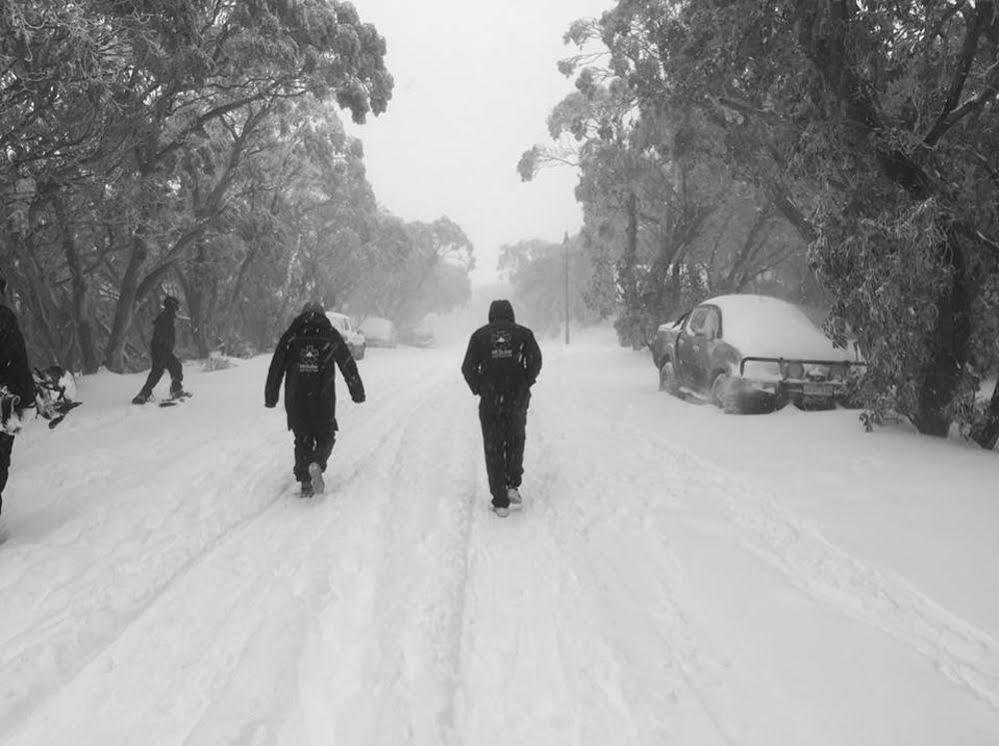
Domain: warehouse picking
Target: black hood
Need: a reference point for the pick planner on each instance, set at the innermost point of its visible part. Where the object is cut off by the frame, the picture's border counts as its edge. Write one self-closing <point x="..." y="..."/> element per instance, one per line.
<point x="500" y="309"/>
<point x="310" y="322"/>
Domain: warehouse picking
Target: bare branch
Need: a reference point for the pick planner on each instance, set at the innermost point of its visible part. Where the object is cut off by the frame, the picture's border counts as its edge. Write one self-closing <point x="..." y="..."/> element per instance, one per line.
<point x="748" y="109"/>
<point x="990" y="243"/>
<point x="984" y="17"/>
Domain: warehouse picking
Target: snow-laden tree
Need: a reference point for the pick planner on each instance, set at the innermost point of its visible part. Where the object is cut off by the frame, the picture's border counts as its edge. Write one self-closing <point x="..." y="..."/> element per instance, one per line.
<point x="126" y="126"/>
<point x="871" y="128"/>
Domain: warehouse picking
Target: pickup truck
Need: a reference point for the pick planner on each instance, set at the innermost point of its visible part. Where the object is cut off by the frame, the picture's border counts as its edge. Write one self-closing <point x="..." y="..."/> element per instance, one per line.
<point x="752" y="352"/>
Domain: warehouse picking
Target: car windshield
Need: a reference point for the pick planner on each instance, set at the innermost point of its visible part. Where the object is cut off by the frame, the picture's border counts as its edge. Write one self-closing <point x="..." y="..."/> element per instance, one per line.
<point x="697" y="319"/>
<point x="340" y="322"/>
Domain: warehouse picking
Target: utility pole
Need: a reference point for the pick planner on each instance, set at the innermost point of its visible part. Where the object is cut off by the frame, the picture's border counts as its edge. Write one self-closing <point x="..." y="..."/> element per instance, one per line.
<point x="565" y="244"/>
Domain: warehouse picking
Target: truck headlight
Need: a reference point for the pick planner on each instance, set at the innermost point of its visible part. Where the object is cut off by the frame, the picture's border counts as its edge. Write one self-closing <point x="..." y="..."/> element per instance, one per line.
<point x="794" y="370"/>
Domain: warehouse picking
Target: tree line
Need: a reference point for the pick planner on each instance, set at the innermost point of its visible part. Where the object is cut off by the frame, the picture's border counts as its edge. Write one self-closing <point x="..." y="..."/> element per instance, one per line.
<point x="839" y="154"/>
<point x="537" y="272"/>
<point x="194" y="148"/>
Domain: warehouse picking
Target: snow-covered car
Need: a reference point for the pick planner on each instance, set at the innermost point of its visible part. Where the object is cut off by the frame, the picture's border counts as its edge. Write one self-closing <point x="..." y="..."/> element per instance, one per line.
<point x="419" y="335"/>
<point x="379" y="332"/>
<point x="745" y="352"/>
<point x="355" y="340"/>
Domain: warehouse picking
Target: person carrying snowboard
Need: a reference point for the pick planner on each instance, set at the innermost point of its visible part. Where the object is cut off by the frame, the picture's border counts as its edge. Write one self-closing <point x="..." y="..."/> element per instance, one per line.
<point x="17" y="387"/>
<point x="161" y="351"/>
<point x="501" y="364"/>
<point x="305" y="358"/>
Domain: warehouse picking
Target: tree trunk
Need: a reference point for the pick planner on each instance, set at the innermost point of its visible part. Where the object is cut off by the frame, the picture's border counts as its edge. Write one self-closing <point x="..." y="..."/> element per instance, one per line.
<point x="740" y="265"/>
<point x="197" y="301"/>
<point x="626" y="267"/>
<point x="629" y="327"/>
<point x="987" y="435"/>
<point x="948" y="349"/>
<point x="35" y="299"/>
<point x="235" y="303"/>
<point x="85" y="337"/>
<point x="125" y="309"/>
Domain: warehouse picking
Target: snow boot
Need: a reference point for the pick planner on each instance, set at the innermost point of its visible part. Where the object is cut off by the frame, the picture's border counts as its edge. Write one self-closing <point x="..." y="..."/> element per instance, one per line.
<point x="516" y="501"/>
<point x="316" y="473"/>
<point x="307" y="490"/>
<point x="141" y="398"/>
<point x="501" y="510"/>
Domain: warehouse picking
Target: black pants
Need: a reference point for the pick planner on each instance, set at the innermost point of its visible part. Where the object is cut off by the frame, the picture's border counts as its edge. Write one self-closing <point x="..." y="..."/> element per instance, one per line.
<point x="6" y="444"/>
<point x="504" y="430"/>
<point x="312" y="447"/>
<point x="161" y="363"/>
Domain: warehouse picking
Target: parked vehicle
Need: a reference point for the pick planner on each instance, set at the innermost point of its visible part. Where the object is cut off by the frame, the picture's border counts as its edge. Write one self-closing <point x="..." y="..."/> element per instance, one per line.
<point x="356" y="341"/>
<point x="752" y="352"/>
<point x="420" y="335"/>
<point x="379" y="332"/>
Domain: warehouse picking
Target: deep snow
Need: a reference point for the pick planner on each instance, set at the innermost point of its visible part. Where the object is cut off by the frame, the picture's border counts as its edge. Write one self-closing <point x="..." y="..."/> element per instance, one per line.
<point x="677" y="576"/>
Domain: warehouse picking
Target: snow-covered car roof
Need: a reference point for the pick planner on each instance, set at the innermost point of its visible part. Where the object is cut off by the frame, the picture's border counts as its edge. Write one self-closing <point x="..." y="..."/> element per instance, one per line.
<point x="761" y="326"/>
<point x="341" y="321"/>
<point x="377" y="326"/>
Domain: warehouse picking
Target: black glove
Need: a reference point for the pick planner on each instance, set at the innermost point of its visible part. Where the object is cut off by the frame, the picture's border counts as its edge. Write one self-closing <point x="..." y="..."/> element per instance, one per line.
<point x="358" y="398"/>
<point x="270" y="404"/>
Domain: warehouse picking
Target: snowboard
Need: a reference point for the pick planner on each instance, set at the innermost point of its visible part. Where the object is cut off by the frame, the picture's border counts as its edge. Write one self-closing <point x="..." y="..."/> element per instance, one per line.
<point x="62" y="409"/>
<point x="173" y="401"/>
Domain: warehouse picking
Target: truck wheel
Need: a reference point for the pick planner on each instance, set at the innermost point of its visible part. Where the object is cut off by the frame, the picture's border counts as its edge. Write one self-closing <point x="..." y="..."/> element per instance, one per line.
<point x="725" y="394"/>
<point x="667" y="379"/>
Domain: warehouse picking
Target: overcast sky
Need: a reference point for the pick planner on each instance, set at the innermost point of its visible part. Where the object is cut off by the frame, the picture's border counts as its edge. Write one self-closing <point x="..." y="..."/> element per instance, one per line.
<point x="474" y="83"/>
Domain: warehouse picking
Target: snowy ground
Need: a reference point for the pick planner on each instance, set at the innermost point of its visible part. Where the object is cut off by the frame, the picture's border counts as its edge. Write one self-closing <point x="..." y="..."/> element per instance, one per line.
<point x="678" y="576"/>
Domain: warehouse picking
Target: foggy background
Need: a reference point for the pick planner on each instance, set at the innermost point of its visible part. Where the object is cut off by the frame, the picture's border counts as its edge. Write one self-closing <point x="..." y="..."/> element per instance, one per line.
<point x="474" y="85"/>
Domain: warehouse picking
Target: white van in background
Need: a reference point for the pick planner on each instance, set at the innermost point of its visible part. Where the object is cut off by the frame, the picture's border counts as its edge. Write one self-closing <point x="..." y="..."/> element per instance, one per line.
<point x="354" y="339"/>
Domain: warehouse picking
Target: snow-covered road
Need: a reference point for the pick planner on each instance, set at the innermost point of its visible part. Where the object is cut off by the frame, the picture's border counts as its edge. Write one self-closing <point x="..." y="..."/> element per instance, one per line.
<point x="678" y="576"/>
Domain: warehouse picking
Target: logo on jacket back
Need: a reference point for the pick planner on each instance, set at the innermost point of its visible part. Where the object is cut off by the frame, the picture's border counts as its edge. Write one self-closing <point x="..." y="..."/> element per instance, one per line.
<point x="502" y="344"/>
<point x="308" y="359"/>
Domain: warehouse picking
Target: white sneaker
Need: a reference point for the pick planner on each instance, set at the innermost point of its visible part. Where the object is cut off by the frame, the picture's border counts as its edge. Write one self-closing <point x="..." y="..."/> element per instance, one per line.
<point x="501" y="512"/>
<point x="516" y="501"/>
<point x="316" y="474"/>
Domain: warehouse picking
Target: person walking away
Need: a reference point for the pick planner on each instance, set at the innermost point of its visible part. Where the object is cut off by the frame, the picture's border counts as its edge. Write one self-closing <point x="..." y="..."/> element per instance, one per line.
<point x="161" y="351"/>
<point x="501" y="364"/>
<point x="305" y="358"/>
<point x="17" y="386"/>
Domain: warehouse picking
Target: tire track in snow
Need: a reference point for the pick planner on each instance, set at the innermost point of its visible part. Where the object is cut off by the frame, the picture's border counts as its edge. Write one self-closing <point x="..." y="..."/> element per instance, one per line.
<point x="357" y="695"/>
<point x="875" y="596"/>
<point x="967" y="655"/>
<point x="90" y="610"/>
<point x="546" y="655"/>
<point x="55" y="658"/>
<point x="676" y="682"/>
<point x="420" y="576"/>
<point x="662" y="667"/>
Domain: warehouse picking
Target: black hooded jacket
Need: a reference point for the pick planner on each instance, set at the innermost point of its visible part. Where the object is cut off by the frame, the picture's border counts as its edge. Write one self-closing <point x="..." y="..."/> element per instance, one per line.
<point x="15" y="373"/>
<point x="164" y="334"/>
<point x="305" y="358"/>
<point x="502" y="356"/>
